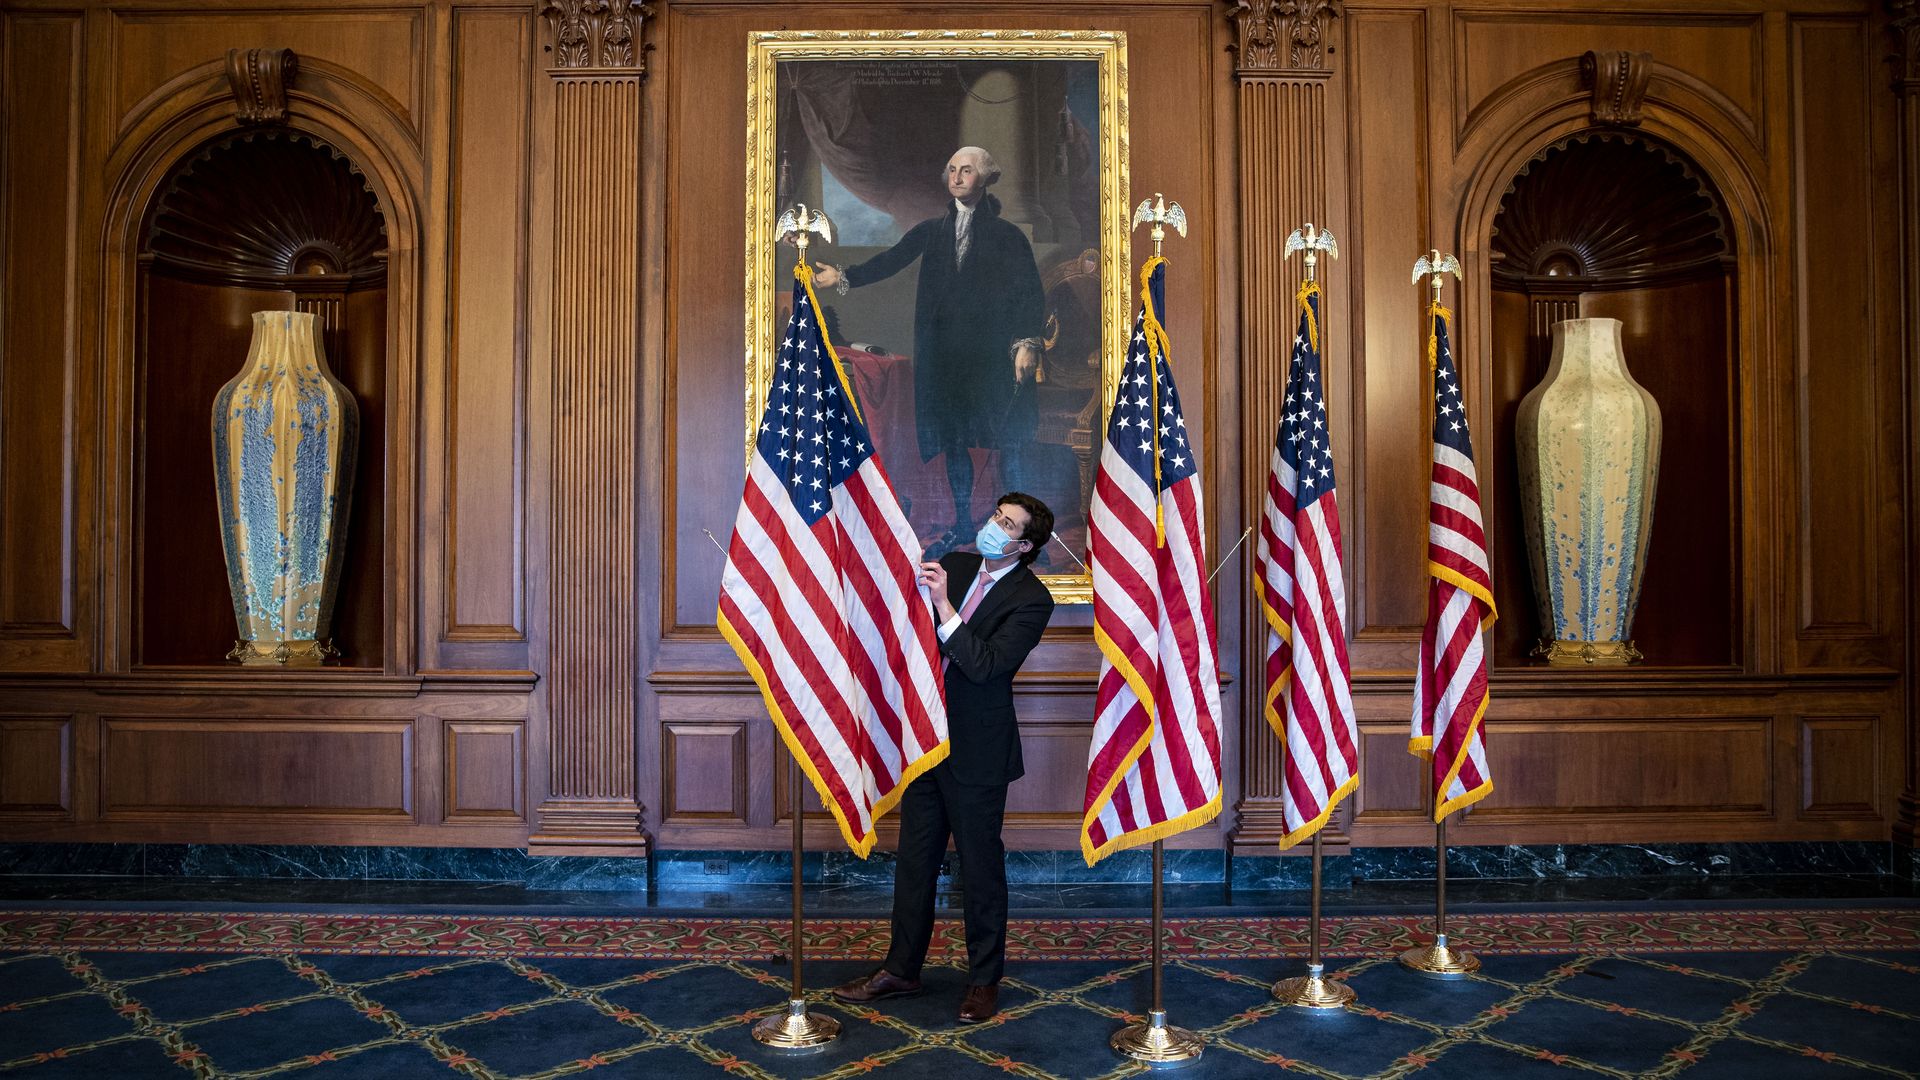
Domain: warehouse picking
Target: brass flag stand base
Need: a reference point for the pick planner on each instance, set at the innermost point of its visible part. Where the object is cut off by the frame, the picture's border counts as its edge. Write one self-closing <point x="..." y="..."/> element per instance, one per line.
<point x="1439" y="961"/>
<point x="797" y="1031"/>
<point x="1157" y="1044"/>
<point x="1314" y="990"/>
<point x="1154" y="1042"/>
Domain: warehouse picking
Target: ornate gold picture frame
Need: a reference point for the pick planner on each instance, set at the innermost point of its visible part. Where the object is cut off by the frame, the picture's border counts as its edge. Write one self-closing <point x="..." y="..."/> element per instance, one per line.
<point x="984" y="356"/>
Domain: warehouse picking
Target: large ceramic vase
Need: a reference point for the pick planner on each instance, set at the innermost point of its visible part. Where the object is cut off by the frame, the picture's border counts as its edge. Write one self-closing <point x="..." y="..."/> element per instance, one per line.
<point x="1589" y="440"/>
<point x="284" y="433"/>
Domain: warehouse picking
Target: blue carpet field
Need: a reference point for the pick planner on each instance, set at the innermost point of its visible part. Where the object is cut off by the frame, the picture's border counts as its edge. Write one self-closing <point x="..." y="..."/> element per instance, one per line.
<point x="1696" y="994"/>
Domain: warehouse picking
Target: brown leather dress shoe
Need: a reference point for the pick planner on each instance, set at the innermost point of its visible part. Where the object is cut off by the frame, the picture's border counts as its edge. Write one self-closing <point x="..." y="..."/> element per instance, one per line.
<point x="980" y="1004"/>
<point x="880" y="984"/>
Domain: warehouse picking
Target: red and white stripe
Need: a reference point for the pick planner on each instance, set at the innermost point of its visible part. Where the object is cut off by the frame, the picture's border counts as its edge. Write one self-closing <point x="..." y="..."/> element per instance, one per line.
<point x="1309" y="700"/>
<point x="1159" y="694"/>
<point x="1450" y="689"/>
<point x="1153" y="768"/>
<point x="833" y="625"/>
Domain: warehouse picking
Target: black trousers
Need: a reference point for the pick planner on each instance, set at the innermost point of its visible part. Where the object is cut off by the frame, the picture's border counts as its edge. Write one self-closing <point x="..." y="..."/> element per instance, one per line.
<point x="935" y="806"/>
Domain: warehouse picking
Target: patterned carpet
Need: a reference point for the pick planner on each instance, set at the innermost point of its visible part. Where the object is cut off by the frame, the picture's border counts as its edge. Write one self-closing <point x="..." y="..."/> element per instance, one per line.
<point x="1747" y="994"/>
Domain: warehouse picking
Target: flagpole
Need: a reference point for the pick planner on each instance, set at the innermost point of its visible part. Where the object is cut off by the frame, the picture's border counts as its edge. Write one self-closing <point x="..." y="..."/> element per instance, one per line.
<point x="1224" y="559"/>
<point x="1314" y="990"/>
<point x="796" y="1031"/>
<point x="1438" y="961"/>
<point x="1159" y="849"/>
<point x="1154" y="1042"/>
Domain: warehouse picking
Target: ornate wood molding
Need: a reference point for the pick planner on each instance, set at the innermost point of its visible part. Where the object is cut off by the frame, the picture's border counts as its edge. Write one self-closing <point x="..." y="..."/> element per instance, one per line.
<point x="1905" y="24"/>
<point x="1618" y="79"/>
<point x="1281" y="35"/>
<point x="1608" y="210"/>
<point x="1283" y="67"/>
<point x="602" y="34"/>
<point x="593" y="803"/>
<point x="1283" y="181"/>
<point x="260" y="79"/>
<point x="1904" y="16"/>
<point x="305" y="207"/>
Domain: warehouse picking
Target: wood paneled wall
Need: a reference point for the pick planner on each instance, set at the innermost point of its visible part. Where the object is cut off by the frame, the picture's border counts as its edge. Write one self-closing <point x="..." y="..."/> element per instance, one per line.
<point x="562" y="382"/>
<point x="437" y="734"/>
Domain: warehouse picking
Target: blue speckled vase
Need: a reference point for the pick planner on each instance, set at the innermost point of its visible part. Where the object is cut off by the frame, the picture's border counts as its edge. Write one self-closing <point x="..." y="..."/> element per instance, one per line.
<point x="284" y="434"/>
<point x="1589" y="441"/>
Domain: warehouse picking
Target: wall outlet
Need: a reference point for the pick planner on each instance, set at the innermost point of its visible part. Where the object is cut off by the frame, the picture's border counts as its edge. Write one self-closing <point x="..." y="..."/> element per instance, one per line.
<point x="718" y="867"/>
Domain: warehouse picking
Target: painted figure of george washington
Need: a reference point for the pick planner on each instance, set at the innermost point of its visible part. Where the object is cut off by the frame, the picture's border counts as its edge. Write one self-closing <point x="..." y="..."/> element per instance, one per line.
<point x="978" y="320"/>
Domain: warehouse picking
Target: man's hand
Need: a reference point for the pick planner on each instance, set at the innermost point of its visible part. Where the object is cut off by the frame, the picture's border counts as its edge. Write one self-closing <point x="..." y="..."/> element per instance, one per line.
<point x="826" y="275"/>
<point x="933" y="577"/>
<point x="1026" y="361"/>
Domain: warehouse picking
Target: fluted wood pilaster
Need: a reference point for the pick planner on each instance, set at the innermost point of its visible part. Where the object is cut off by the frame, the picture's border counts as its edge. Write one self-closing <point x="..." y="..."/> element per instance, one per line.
<point x="326" y="301"/>
<point x="1543" y="310"/>
<point x="1283" y="83"/>
<point x="593" y="802"/>
<point x="1905" y="25"/>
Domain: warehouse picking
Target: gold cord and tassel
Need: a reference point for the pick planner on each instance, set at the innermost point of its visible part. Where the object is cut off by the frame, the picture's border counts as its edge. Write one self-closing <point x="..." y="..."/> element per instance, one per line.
<point x="1308" y="289"/>
<point x="1436" y="311"/>
<point x="1158" y="349"/>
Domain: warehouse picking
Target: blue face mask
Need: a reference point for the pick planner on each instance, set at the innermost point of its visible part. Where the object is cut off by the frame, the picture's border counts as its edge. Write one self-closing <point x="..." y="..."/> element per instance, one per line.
<point x="992" y="541"/>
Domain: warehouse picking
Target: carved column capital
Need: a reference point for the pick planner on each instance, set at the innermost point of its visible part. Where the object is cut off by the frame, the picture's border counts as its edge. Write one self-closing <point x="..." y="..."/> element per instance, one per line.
<point x="1905" y="16"/>
<point x="1618" y="79"/>
<point x="596" y="34"/>
<point x="259" y="79"/>
<point x="1281" y="35"/>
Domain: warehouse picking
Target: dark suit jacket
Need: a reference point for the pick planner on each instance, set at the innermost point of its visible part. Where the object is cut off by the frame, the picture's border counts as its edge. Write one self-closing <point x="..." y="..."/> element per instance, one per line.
<point x="965" y="320"/>
<point x="983" y="654"/>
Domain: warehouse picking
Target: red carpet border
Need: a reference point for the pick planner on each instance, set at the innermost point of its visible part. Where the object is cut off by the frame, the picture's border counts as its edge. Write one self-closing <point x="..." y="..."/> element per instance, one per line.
<point x="1220" y="938"/>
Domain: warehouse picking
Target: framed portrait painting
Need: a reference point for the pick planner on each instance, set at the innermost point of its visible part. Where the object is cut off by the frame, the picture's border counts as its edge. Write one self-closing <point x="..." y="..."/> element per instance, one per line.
<point x="975" y="287"/>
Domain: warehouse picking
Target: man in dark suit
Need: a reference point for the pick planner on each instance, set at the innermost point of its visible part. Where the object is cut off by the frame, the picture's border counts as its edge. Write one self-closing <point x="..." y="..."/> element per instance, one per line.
<point x="992" y="611"/>
<point x="979" y="318"/>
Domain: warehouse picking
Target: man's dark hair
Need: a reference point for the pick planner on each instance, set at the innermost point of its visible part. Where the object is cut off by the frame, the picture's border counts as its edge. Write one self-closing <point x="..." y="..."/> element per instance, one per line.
<point x="1039" y="522"/>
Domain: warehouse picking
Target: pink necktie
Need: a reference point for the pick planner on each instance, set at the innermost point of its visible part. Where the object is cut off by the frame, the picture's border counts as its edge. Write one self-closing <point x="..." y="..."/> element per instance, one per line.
<point x="978" y="593"/>
<point x="974" y="595"/>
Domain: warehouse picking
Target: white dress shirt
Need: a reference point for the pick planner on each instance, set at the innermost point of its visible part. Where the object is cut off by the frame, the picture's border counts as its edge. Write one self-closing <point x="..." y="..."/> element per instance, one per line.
<point x="947" y="628"/>
<point x="962" y="231"/>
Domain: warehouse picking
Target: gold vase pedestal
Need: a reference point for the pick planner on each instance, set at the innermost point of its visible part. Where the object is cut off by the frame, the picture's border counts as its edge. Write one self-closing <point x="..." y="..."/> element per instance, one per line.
<point x="298" y="653"/>
<point x="797" y="1031"/>
<point x="1438" y="961"/>
<point x="1313" y="990"/>
<point x="1562" y="653"/>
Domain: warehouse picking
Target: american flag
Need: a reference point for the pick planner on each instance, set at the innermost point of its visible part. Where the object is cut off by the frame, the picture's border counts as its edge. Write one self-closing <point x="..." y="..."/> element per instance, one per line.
<point x="1450" y="690"/>
<point x="1309" y="700"/>
<point x="820" y="598"/>
<point x="1154" y="767"/>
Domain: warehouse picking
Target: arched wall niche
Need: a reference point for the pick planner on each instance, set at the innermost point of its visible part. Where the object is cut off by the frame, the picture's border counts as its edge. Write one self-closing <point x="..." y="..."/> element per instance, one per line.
<point x="256" y="220"/>
<point x="170" y="327"/>
<point x="1696" y="335"/>
<point x="1610" y="224"/>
